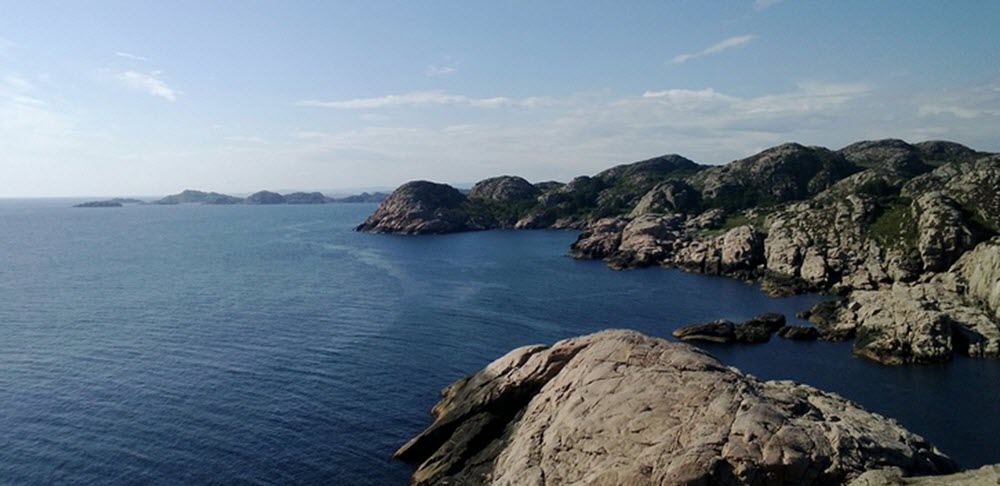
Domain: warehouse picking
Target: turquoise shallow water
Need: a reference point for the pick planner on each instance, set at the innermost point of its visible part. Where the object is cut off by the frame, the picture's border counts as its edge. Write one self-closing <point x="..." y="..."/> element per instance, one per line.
<point x="274" y="345"/>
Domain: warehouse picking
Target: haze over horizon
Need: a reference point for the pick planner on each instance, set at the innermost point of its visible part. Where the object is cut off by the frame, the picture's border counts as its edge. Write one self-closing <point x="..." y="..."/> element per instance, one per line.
<point x="140" y="98"/>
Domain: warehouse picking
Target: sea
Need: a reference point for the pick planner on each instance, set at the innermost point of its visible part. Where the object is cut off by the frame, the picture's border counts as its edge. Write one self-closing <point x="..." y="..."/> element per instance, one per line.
<point x="275" y="345"/>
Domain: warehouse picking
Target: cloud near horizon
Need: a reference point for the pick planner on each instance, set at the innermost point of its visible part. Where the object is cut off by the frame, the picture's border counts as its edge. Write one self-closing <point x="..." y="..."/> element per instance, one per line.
<point x="434" y="70"/>
<point x="721" y="46"/>
<point x="423" y="98"/>
<point x="148" y="83"/>
<point x="132" y="57"/>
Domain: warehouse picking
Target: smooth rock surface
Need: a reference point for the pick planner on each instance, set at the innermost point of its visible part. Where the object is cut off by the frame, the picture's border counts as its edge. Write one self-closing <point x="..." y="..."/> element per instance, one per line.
<point x="621" y="408"/>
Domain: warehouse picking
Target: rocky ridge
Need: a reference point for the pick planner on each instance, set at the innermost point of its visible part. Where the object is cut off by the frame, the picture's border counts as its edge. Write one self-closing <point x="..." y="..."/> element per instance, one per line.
<point x="618" y="407"/>
<point x="882" y="223"/>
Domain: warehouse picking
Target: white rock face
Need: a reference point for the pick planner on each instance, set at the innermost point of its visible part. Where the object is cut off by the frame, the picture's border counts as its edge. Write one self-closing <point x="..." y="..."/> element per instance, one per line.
<point x="621" y="408"/>
<point x="980" y="271"/>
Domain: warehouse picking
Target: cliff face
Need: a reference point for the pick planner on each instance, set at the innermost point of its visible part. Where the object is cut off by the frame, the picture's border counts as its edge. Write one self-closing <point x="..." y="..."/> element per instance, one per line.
<point x="871" y="222"/>
<point x="618" y="407"/>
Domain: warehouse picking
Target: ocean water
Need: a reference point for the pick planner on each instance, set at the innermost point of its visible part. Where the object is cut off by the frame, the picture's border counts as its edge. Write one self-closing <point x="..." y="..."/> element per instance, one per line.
<point x="273" y="345"/>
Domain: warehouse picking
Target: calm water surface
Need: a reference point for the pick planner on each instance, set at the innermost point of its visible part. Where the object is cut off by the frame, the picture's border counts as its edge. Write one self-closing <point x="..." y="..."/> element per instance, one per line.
<point x="270" y="345"/>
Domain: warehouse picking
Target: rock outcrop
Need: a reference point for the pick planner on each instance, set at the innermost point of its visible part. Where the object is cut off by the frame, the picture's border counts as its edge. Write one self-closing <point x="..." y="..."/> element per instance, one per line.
<point x="784" y="173"/>
<point x="504" y="189"/>
<point x="799" y="333"/>
<point x="621" y="408"/>
<point x="419" y="207"/>
<point x="756" y="330"/>
<point x="984" y="476"/>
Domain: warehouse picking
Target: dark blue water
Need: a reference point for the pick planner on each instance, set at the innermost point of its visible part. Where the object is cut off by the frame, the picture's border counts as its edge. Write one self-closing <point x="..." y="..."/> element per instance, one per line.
<point x="272" y="345"/>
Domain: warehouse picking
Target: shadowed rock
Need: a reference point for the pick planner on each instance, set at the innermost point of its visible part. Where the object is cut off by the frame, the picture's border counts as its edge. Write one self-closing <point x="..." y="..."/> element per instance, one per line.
<point x="799" y="333"/>
<point x="756" y="330"/>
<point x="419" y="207"/>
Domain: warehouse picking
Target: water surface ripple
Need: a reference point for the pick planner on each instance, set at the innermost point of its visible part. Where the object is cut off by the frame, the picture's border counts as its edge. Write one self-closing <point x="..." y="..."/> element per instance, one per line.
<point x="273" y="345"/>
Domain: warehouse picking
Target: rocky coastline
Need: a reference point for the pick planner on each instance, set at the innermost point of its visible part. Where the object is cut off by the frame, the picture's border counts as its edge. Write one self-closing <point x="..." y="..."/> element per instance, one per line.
<point x="906" y="235"/>
<point x="619" y="407"/>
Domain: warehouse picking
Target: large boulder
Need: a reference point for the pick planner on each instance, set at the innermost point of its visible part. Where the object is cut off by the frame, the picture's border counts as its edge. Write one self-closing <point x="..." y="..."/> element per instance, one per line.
<point x="621" y="408"/>
<point x="419" y="207"/>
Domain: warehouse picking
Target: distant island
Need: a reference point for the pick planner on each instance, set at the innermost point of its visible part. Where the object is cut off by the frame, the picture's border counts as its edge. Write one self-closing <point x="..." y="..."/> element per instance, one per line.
<point x="110" y="203"/>
<point x="906" y="235"/>
<point x="190" y="196"/>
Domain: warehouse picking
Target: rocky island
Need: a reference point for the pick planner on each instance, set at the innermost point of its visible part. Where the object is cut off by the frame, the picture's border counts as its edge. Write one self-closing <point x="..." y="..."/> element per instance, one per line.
<point x="904" y="234"/>
<point x="191" y="196"/>
<point x="618" y="407"/>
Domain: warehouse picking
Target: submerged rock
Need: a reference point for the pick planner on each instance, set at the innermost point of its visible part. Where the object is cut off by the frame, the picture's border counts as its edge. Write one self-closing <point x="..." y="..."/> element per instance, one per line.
<point x="621" y="408"/>
<point x="799" y="333"/>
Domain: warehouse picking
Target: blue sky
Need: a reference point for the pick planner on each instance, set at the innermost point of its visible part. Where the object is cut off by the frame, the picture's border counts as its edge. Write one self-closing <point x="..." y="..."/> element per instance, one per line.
<point x="146" y="98"/>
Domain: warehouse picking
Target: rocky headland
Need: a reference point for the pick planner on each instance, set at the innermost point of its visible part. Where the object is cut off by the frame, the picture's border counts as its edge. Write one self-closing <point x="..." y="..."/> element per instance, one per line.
<point x="620" y="408"/>
<point x="905" y="234"/>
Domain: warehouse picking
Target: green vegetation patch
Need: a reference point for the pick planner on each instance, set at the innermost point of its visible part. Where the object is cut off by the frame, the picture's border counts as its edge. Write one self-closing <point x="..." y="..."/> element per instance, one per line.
<point x="895" y="227"/>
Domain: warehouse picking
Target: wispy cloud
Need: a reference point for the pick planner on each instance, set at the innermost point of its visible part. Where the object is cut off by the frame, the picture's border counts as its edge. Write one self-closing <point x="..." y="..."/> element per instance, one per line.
<point x="250" y="139"/>
<point x="763" y="4"/>
<point x="133" y="57"/>
<point x="148" y="83"/>
<point x="725" y="45"/>
<point x="966" y="103"/>
<point x="433" y="70"/>
<point x="423" y="99"/>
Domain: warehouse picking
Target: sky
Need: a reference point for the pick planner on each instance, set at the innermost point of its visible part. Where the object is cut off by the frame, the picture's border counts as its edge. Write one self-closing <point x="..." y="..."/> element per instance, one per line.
<point x="149" y="98"/>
